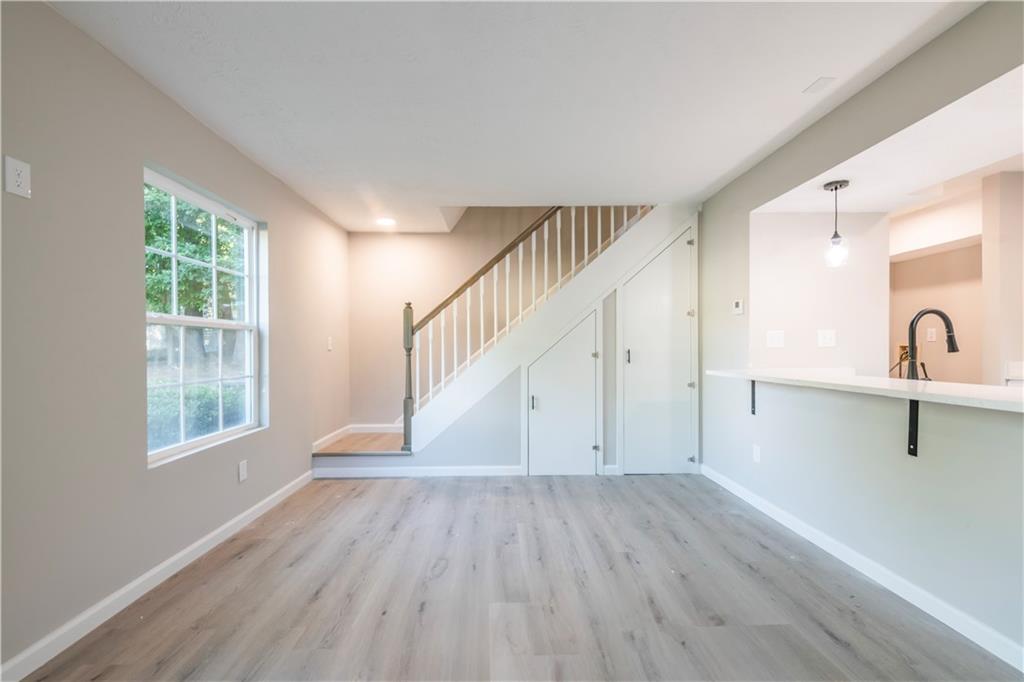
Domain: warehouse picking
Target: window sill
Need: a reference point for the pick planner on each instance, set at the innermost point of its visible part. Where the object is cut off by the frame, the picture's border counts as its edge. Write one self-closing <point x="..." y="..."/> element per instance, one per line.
<point x="173" y="454"/>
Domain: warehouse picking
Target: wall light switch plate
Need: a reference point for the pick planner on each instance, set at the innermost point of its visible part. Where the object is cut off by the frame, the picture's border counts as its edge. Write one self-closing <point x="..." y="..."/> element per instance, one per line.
<point x="931" y="333"/>
<point x="17" y="177"/>
<point x="243" y="470"/>
<point x="330" y="343"/>
<point x="757" y="454"/>
<point x="737" y="306"/>
<point x="775" y="338"/>
<point x="826" y="338"/>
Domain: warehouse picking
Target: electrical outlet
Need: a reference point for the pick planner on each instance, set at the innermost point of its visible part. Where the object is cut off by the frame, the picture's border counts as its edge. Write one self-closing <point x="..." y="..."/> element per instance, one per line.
<point x="17" y="177"/>
<point x="757" y="454"/>
<point x="775" y="338"/>
<point x="931" y="333"/>
<point x="330" y="343"/>
<point x="737" y="306"/>
<point x="243" y="470"/>
<point x="826" y="338"/>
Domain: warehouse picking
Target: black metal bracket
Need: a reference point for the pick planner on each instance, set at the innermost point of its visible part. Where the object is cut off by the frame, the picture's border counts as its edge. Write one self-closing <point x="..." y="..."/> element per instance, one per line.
<point x="912" y="430"/>
<point x="753" y="397"/>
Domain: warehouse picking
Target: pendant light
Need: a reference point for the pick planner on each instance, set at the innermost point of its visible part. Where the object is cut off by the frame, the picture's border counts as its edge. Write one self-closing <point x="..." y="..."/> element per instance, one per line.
<point x="837" y="252"/>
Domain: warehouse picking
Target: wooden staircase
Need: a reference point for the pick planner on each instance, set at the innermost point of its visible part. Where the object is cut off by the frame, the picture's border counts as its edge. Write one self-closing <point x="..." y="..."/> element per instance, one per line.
<point x="511" y="286"/>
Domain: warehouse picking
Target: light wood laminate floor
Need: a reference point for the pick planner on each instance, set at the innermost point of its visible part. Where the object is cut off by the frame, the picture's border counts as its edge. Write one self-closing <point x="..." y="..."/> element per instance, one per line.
<point x="635" y="577"/>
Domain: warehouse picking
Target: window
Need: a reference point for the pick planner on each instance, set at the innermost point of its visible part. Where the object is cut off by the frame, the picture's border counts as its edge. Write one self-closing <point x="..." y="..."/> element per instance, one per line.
<point x="201" y="333"/>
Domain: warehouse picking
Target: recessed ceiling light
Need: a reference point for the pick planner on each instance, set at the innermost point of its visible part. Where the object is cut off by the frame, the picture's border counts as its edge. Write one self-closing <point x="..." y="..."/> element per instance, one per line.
<point x="818" y="85"/>
<point x="387" y="222"/>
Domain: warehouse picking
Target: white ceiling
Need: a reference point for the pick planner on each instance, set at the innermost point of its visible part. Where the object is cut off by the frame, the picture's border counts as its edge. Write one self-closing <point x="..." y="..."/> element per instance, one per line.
<point x="941" y="155"/>
<point x="400" y="109"/>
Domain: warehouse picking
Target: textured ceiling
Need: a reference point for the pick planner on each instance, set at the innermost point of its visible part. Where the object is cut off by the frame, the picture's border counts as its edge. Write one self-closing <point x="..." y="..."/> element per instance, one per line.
<point x="405" y="109"/>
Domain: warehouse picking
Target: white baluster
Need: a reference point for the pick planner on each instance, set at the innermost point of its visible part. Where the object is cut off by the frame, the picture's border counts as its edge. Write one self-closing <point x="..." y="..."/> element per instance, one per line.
<point x="586" y="236"/>
<point x="443" y="363"/>
<point x="519" y="276"/>
<point x="558" y="247"/>
<point x="572" y="241"/>
<point x="546" y="249"/>
<point x="455" y="337"/>
<point x="533" y="269"/>
<point x="430" y="357"/>
<point x="611" y="225"/>
<point x="469" y="326"/>
<point x="483" y="281"/>
<point x="419" y="394"/>
<point x="508" y="294"/>
<point x="625" y="216"/>
<point x="599" y="229"/>
<point x="494" y="303"/>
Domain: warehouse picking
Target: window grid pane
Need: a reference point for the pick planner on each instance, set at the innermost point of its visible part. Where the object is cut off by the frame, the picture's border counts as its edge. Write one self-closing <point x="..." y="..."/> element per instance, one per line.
<point x="199" y="378"/>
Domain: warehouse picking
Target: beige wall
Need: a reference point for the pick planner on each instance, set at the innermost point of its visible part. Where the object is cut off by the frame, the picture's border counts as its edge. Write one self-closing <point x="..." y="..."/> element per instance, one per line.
<point x="389" y="269"/>
<point x="82" y="513"/>
<point x="1002" y="256"/>
<point x="950" y="281"/>
<point x="792" y="290"/>
<point x="939" y="227"/>
<point x="903" y="516"/>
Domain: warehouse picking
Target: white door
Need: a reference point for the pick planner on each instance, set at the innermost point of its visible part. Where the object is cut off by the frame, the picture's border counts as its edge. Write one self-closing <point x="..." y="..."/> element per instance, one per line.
<point x="657" y="342"/>
<point x="562" y="405"/>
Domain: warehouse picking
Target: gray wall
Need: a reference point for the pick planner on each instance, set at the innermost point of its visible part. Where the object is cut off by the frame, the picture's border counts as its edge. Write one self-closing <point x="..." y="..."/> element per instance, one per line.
<point x="488" y="434"/>
<point x="82" y="514"/>
<point x="970" y="510"/>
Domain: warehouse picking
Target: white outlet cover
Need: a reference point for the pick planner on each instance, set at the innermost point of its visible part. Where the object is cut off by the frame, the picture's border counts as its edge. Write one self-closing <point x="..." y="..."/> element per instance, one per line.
<point x="931" y="333"/>
<point x="775" y="338"/>
<point x="17" y="177"/>
<point x="757" y="454"/>
<point x="243" y="470"/>
<point x="826" y="338"/>
<point x="330" y="343"/>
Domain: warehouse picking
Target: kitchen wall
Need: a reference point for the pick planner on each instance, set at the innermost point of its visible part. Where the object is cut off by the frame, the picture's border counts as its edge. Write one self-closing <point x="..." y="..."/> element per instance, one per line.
<point x="817" y="477"/>
<point x="793" y="291"/>
<point x="952" y="282"/>
<point x="83" y="515"/>
<point x="1002" y="253"/>
<point x="951" y="223"/>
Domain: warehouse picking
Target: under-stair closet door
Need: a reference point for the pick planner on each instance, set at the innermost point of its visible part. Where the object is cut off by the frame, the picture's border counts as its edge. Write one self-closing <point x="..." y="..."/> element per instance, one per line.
<point x="656" y="349"/>
<point x="562" y="405"/>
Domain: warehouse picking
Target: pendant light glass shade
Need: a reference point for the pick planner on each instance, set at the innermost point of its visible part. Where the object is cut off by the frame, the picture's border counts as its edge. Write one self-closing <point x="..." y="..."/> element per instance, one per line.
<point x="837" y="252"/>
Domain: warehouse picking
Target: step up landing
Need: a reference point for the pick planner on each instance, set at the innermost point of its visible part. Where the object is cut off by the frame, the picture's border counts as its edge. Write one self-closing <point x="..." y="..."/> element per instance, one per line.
<point x="364" y="444"/>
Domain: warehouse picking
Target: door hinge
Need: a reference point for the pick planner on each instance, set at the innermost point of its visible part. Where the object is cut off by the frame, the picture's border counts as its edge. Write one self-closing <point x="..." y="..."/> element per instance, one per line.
<point x="594" y="354"/>
<point x="689" y="242"/>
<point x="691" y="384"/>
<point x="691" y="313"/>
<point x="596" y="448"/>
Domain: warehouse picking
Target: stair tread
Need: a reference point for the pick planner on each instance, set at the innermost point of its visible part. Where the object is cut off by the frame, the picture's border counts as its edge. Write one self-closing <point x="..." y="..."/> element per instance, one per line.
<point x="364" y="444"/>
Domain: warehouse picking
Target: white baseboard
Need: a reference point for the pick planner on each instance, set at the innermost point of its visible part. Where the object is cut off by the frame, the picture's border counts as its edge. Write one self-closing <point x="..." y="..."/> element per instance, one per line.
<point x="23" y="663"/>
<point x="327" y="471"/>
<point x="611" y="470"/>
<point x="970" y="627"/>
<point x="355" y="428"/>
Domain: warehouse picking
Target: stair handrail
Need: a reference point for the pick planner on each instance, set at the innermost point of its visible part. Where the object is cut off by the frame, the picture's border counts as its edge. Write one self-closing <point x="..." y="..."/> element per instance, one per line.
<point x="486" y="268"/>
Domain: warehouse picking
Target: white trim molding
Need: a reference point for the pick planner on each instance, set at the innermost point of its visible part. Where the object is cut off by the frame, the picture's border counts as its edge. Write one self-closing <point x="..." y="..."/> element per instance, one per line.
<point x="327" y="471"/>
<point x="24" y="663"/>
<point x="970" y="627"/>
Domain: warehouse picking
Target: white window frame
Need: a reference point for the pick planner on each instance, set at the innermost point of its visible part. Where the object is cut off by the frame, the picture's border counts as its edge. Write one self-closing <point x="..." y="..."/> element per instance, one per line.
<point x="250" y="323"/>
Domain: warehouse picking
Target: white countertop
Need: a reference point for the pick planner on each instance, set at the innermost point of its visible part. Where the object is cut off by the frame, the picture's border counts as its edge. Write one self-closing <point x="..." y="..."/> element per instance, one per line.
<point x="1003" y="398"/>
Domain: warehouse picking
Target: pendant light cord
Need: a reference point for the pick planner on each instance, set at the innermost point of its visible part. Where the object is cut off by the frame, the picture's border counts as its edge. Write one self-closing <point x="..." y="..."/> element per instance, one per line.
<point x="835" y="224"/>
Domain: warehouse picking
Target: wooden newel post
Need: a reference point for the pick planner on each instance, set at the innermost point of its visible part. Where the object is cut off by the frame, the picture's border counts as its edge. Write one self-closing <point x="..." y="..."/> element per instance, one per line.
<point x="407" y="404"/>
